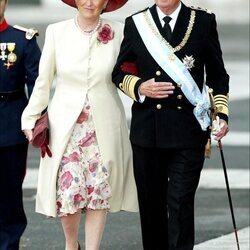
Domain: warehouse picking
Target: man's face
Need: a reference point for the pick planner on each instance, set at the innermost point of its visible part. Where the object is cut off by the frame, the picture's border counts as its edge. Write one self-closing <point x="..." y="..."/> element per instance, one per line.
<point x="2" y="9"/>
<point x="167" y="6"/>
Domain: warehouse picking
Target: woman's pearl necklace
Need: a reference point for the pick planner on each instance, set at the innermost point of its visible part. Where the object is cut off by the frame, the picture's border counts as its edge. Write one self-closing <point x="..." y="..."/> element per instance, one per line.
<point x="91" y="32"/>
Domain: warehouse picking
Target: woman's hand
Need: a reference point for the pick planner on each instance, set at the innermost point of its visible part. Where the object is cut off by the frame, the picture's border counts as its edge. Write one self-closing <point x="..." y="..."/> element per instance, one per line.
<point x="29" y="134"/>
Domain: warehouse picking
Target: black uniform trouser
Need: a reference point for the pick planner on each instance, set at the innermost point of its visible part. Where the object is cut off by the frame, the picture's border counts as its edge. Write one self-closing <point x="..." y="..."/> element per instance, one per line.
<point x="166" y="181"/>
<point x="12" y="217"/>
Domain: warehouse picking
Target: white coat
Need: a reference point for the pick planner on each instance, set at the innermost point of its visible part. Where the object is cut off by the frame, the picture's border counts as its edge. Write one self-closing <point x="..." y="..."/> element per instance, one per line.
<point x="80" y="66"/>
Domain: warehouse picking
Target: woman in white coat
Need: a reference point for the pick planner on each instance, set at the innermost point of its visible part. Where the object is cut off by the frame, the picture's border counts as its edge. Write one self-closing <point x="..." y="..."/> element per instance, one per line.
<point x="91" y="165"/>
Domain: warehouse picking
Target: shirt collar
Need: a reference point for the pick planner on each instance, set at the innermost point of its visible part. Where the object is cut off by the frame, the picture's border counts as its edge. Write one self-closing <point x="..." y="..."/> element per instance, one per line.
<point x="3" y="25"/>
<point x="174" y="15"/>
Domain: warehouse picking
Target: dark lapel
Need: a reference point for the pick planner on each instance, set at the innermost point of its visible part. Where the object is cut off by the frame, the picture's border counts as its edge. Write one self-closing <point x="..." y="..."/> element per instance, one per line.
<point x="156" y="19"/>
<point x="180" y="25"/>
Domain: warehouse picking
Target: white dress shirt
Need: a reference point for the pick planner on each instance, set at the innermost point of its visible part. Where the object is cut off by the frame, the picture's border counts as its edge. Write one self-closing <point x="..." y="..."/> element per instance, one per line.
<point x="174" y="16"/>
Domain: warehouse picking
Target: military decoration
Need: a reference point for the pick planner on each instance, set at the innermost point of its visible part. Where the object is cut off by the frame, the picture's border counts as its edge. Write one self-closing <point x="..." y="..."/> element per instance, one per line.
<point x="8" y="54"/>
<point x="3" y="55"/>
<point x="188" y="61"/>
<point x="12" y="56"/>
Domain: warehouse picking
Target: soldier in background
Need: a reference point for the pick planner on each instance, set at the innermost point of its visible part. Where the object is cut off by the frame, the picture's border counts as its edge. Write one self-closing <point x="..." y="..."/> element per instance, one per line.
<point x="19" y="60"/>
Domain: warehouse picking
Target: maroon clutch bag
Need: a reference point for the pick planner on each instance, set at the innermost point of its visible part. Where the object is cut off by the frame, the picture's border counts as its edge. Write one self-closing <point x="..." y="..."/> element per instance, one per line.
<point x="41" y="135"/>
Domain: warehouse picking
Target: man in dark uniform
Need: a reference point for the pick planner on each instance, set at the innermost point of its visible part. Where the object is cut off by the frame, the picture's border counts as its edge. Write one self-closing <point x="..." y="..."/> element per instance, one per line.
<point x="176" y="49"/>
<point x="19" y="59"/>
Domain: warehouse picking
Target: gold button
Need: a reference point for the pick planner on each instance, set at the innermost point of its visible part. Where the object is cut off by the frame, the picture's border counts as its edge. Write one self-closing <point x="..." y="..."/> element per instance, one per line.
<point x="121" y="86"/>
<point x="179" y="107"/>
<point x="158" y="72"/>
<point x="210" y="90"/>
<point x="179" y="85"/>
<point x="158" y="106"/>
<point x="179" y="97"/>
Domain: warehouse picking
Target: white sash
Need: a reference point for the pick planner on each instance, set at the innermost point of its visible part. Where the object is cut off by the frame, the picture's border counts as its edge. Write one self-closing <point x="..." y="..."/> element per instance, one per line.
<point x="161" y="52"/>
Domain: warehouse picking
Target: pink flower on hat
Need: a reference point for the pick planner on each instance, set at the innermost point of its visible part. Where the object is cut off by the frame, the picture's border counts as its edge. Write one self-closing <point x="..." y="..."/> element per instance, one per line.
<point x="105" y="34"/>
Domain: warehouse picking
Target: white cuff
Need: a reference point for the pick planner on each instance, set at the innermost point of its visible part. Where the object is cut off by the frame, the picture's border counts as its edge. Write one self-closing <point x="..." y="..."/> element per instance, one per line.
<point x="141" y="97"/>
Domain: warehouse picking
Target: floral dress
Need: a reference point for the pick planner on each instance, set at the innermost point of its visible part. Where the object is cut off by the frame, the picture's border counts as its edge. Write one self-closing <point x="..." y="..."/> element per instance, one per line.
<point x="82" y="178"/>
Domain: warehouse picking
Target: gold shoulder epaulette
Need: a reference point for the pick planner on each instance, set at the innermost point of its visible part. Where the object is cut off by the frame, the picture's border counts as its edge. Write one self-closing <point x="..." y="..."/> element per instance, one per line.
<point x="202" y="9"/>
<point x="29" y="33"/>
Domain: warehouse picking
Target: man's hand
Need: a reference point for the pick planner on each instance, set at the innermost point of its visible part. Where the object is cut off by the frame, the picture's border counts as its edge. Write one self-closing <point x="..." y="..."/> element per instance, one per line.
<point x="220" y="128"/>
<point x="158" y="90"/>
<point x="29" y="134"/>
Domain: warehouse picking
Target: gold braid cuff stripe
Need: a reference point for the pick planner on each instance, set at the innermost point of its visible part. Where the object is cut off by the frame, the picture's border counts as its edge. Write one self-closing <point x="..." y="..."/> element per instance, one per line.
<point x="221" y="103"/>
<point x="128" y="85"/>
<point x="185" y="38"/>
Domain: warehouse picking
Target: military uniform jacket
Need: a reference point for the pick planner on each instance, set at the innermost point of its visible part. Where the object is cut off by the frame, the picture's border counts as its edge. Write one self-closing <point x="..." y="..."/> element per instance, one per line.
<point x="19" y="61"/>
<point x="169" y="122"/>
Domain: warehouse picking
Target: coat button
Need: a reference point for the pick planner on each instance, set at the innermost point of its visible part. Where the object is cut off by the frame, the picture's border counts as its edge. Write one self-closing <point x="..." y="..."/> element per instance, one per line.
<point x="121" y="86"/>
<point x="179" y="107"/>
<point x="179" y="97"/>
<point x="179" y="85"/>
<point x="158" y="72"/>
<point x="158" y="106"/>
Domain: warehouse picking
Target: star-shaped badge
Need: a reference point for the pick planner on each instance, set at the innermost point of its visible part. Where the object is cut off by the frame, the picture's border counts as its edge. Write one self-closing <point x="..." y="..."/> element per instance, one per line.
<point x="188" y="61"/>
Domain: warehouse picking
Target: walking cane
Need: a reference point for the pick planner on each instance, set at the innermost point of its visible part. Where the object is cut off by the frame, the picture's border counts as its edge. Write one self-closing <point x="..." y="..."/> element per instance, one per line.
<point x="213" y="115"/>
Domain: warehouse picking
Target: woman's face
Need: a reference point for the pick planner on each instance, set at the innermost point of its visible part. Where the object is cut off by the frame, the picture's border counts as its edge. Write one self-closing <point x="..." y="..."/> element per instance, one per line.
<point x="91" y="8"/>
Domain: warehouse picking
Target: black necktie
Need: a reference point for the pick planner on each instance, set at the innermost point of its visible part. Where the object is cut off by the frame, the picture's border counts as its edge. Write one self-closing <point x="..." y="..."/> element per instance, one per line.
<point x="166" y="28"/>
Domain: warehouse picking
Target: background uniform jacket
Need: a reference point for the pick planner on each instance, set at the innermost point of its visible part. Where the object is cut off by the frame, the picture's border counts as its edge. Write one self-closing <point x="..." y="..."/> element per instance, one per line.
<point x="23" y="72"/>
<point x="169" y="122"/>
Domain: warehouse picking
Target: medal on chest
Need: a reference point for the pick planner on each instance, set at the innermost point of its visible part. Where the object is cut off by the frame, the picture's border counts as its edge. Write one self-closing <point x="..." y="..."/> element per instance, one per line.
<point x="3" y="55"/>
<point x="188" y="61"/>
<point x="7" y="54"/>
